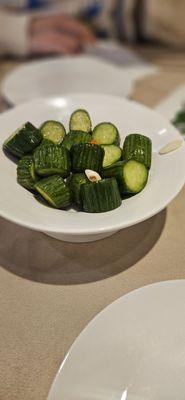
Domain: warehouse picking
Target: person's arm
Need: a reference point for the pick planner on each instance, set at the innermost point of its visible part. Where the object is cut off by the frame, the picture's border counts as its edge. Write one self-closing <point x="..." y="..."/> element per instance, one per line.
<point x="155" y="20"/>
<point x="14" y="33"/>
<point x="37" y="33"/>
<point x="164" y="21"/>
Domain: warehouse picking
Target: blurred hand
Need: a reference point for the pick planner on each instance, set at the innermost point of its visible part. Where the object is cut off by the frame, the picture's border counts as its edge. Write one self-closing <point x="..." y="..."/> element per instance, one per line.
<point x="58" y="34"/>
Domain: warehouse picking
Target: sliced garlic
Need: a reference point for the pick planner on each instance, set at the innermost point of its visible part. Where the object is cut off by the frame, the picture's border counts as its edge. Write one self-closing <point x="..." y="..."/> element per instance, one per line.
<point x="93" y="176"/>
<point x="171" y="146"/>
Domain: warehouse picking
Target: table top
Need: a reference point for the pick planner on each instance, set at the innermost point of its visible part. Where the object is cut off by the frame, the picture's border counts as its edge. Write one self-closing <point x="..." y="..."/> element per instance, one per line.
<point x="49" y="290"/>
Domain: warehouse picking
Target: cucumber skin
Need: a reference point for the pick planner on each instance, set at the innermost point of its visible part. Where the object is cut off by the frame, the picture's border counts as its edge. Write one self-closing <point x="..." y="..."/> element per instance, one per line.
<point x="117" y="139"/>
<point x="75" y="183"/>
<point x="139" y="148"/>
<point x="101" y="196"/>
<point x="56" y="189"/>
<point x="76" y="137"/>
<point x="25" y="173"/>
<point x="71" y="128"/>
<point x="86" y="156"/>
<point x="24" y="141"/>
<point x="179" y="121"/>
<point x="52" y="159"/>
<point x="116" y="171"/>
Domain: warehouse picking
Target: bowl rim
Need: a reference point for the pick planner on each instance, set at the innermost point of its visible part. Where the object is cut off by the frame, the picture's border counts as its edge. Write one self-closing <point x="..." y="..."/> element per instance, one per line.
<point x="8" y="93"/>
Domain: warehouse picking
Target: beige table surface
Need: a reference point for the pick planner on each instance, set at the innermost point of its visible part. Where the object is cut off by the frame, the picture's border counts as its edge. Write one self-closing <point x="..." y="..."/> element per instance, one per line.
<point x="50" y="290"/>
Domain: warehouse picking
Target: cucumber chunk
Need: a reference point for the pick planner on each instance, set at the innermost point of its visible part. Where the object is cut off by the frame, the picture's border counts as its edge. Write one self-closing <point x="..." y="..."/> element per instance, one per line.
<point x="51" y="159"/>
<point x="75" y="183"/>
<point x="53" y="130"/>
<point x="26" y="176"/>
<point x="112" y="154"/>
<point x="179" y="121"/>
<point x="131" y="176"/>
<point x="86" y="156"/>
<point x="55" y="191"/>
<point x="135" y="176"/>
<point x="23" y="141"/>
<point x="139" y="148"/>
<point x="80" y="121"/>
<point x="106" y="133"/>
<point x="101" y="196"/>
<point x="74" y="137"/>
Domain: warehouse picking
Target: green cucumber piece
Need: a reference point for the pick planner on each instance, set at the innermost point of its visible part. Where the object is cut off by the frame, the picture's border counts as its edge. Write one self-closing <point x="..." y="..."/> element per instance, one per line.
<point x="86" y="156"/>
<point x="55" y="191"/>
<point x="23" y="141"/>
<point x="179" y="121"/>
<point x="41" y="199"/>
<point x="51" y="159"/>
<point x="53" y="130"/>
<point x="131" y="176"/>
<point x="74" y="137"/>
<point x="101" y="196"/>
<point x="106" y="133"/>
<point x="75" y="183"/>
<point x="80" y="121"/>
<point x="139" y="148"/>
<point x="26" y="176"/>
<point x="135" y="176"/>
<point x="112" y="154"/>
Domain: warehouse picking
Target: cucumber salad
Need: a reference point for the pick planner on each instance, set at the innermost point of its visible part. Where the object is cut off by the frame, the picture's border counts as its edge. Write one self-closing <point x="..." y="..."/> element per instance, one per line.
<point x="86" y="166"/>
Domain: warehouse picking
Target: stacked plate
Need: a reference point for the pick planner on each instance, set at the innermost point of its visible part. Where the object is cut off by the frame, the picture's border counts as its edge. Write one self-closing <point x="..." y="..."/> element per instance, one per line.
<point x="76" y="74"/>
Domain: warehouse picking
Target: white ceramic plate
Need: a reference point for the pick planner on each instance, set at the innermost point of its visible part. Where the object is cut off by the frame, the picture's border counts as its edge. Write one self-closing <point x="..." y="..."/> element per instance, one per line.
<point x="133" y="350"/>
<point x="65" y="75"/>
<point x="167" y="174"/>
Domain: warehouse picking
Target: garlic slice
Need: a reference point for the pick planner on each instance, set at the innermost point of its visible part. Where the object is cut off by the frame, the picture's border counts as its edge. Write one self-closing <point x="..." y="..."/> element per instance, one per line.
<point x="171" y="147"/>
<point x="93" y="176"/>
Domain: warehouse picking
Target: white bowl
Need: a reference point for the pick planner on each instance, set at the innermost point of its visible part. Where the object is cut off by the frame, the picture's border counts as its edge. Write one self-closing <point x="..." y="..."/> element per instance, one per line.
<point x="166" y="179"/>
<point x="53" y="76"/>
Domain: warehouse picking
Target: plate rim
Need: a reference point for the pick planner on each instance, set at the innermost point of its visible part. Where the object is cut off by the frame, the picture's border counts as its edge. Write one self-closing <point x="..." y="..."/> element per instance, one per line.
<point x="131" y="293"/>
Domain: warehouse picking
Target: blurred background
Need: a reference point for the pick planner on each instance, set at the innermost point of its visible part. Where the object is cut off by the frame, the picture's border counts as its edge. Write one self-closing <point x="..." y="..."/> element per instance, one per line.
<point x="136" y="35"/>
<point x="42" y="27"/>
